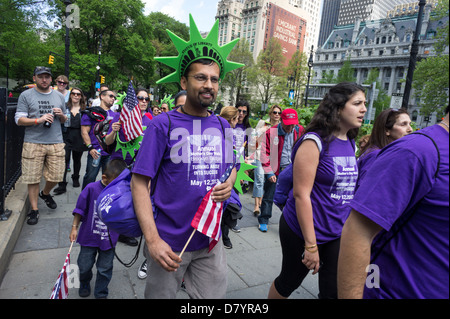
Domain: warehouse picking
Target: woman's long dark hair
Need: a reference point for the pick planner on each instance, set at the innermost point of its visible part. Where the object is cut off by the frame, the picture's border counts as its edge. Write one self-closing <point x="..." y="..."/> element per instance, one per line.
<point x="246" y="121"/>
<point x="326" y="120"/>
<point x="82" y="100"/>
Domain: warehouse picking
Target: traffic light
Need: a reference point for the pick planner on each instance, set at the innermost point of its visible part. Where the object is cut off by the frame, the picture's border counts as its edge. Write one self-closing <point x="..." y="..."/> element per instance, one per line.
<point x="51" y="59"/>
<point x="102" y="79"/>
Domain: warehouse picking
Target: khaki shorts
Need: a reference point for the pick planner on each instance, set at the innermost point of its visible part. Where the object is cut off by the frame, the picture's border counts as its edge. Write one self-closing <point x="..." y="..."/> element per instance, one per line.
<point x="43" y="160"/>
<point x="205" y="275"/>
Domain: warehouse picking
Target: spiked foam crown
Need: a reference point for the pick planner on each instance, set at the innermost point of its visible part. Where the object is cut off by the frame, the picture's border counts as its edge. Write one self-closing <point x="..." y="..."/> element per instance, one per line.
<point x="198" y="48"/>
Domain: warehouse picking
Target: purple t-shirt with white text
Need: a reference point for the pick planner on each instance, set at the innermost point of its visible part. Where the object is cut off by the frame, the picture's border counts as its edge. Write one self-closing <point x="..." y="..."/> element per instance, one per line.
<point x="332" y="191"/>
<point x="192" y="160"/>
<point x="414" y="264"/>
<point x="93" y="232"/>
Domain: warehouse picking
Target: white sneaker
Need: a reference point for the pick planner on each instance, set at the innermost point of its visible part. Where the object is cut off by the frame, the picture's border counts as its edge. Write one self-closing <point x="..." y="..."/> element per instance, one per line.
<point x="142" y="271"/>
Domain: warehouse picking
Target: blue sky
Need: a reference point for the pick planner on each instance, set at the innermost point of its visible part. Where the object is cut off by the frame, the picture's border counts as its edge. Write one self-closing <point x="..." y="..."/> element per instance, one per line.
<point x="203" y="11"/>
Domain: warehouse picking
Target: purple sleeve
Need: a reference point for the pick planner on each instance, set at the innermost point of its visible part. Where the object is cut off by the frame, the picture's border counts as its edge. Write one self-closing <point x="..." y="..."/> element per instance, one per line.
<point x="86" y="120"/>
<point x="82" y="207"/>
<point x="397" y="180"/>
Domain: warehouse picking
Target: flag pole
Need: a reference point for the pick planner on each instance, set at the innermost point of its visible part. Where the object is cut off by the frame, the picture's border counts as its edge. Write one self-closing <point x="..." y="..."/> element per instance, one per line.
<point x="71" y="245"/>
<point x="193" y="233"/>
<point x="189" y="240"/>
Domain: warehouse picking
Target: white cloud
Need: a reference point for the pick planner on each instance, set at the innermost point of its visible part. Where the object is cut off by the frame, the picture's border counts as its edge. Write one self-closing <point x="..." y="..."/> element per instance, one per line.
<point x="174" y="8"/>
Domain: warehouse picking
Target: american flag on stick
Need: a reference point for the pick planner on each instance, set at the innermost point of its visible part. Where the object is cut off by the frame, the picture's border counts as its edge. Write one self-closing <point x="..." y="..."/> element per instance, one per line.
<point x="208" y="218"/>
<point x="130" y="116"/>
<point x="61" y="288"/>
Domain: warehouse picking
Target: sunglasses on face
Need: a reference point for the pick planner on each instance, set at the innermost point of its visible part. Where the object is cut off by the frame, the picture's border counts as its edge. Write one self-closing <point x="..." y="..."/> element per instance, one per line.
<point x="75" y="94"/>
<point x="276" y="113"/>
<point x="62" y="83"/>
<point x="242" y="111"/>
<point x="141" y="98"/>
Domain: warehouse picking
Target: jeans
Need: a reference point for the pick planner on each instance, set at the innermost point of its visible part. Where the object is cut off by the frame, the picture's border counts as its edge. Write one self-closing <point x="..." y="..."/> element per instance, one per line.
<point x="91" y="171"/>
<point x="267" y="200"/>
<point x="86" y="260"/>
<point x="258" y="185"/>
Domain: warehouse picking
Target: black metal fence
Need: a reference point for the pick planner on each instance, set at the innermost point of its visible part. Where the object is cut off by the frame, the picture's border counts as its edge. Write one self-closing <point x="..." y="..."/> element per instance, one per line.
<point x="11" y="141"/>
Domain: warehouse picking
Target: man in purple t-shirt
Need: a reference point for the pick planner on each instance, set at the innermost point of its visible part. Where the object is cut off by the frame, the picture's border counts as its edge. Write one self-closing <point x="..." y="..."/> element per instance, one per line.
<point x="107" y="98"/>
<point x="181" y="158"/>
<point x="395" y="244"/>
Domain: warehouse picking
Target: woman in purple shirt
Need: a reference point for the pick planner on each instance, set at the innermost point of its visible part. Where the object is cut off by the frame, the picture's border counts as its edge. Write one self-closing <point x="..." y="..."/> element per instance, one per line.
<point x="324" y="178"/>
<point x="398" y="230"/>
<point x="389" y="126"/>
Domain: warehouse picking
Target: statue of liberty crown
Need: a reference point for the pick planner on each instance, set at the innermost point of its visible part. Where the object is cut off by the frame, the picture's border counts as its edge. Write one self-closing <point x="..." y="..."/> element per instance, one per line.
<point x="198" y="48"/>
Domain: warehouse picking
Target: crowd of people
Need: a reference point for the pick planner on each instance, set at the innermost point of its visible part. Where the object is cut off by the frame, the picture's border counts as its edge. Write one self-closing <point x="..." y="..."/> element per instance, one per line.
<point x="388" y="206"/>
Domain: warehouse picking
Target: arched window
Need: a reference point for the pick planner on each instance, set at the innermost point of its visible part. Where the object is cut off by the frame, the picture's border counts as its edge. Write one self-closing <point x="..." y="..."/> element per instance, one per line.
<point x="415" y="115"/>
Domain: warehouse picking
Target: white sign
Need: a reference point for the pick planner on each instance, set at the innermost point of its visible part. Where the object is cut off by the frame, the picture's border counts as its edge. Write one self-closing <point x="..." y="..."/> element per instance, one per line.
<point x="396" y="101"/>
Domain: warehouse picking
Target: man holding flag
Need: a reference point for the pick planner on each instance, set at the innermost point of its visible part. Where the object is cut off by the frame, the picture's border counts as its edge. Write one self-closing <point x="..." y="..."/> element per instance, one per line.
<point x="189" y="168"/>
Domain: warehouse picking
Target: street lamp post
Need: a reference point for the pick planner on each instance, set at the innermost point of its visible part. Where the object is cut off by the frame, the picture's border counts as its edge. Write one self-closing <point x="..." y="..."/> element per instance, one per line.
<point x="413" y="57"/>
<point x="67" y="52"/>
<point x="310" y="65"/>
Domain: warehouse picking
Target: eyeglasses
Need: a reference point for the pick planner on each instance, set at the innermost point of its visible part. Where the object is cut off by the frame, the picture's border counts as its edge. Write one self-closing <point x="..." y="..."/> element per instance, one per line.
<point x="204" y="78"/>
<point x="276" y="113"/>
<point x="242" y="111"/>
<point x="112" y="96"/>
<point x="75" y="94"/>
<point x="141" y="98"/>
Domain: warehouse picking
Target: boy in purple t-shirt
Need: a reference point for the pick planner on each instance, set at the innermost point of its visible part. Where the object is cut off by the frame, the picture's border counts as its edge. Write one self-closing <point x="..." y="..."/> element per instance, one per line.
<point x="93" y="236"/>
<point x="398" y="230"/>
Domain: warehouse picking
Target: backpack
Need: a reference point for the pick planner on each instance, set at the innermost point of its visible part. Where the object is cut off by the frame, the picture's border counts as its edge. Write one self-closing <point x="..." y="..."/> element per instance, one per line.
<point x="101" y="128"/>
<point x="285" y="180"/>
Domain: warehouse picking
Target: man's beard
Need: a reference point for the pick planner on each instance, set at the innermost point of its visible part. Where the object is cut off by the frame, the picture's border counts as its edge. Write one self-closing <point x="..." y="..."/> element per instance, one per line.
<point x="42" y="88"/>
<point x="206" y="104"/>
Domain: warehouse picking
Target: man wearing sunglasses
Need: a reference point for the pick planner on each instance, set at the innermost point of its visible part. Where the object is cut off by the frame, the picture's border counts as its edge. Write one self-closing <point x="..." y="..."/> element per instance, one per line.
<point x="107" y="98"/>
<point x="41" y="111"/>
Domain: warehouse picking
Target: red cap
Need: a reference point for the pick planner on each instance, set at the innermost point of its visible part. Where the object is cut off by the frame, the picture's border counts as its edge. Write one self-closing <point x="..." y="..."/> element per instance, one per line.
<point x="289" y="117"/>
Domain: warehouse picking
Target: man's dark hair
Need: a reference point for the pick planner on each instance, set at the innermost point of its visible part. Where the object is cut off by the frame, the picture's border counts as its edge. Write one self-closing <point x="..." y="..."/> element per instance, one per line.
<point x="179" y="94"/>
<point x="114" y="168"/>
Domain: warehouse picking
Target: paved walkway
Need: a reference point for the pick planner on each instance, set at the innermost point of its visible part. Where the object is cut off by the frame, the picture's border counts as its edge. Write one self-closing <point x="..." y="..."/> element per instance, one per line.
<point x="40" y="250"/>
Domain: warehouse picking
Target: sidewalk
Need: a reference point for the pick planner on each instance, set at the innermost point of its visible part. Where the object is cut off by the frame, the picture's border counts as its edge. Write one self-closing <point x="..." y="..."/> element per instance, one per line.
<point x="39" y="252"/>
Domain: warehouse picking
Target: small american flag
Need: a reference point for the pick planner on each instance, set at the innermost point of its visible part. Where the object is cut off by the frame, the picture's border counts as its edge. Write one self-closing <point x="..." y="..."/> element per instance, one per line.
<point x="130" y="116"/>
<point x="61" y="288"/>
<point x="208" y="218"/>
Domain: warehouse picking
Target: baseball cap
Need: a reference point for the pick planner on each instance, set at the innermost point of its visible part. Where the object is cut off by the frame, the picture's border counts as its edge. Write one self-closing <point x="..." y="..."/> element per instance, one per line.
<point x="289" y="117"/>
<point x="42" y="69"/>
